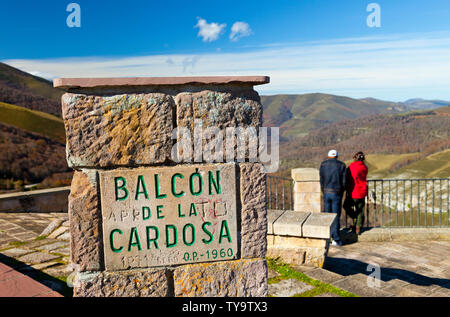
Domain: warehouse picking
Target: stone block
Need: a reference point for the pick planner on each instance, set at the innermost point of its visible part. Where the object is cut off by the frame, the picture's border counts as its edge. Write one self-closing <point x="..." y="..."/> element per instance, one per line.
<point x="305" y="174"/>
<point x="289" y="255"/>
<point x="241" y="278"/>
<point x="117" y="130"/>
<point x="307" y="198"/>
<point x="315" y="256"/>
<point x="272" y="216"/>
<point x="296" y="242"/>
<point x="307" y="187"/>
<point x="171" y="220"/>
<point x="217" y="109"/>
<point x="298" y="251"/>
<point x="314" y="207"/>
<point x="85" y="222"/>
<point x="290" y="223"/>
<point x="253" y="210"/>
<point x="135" y="283"/>
<point x="318" y="225"/>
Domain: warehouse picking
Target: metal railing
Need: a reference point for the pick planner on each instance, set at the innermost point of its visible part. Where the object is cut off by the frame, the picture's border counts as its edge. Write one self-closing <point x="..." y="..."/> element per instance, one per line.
<point x="417" y="202"/>
<point x="279" y="193"/>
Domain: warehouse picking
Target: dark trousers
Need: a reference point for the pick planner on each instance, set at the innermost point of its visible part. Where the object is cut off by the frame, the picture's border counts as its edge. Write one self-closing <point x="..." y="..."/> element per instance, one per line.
<point x="359" y="210"/>
<point x="332" y="203"/>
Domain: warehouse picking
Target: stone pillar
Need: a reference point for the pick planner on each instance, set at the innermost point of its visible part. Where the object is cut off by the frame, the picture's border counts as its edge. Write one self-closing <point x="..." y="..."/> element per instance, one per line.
<point x="143" y="223"/>
<point x="307" y="192"/>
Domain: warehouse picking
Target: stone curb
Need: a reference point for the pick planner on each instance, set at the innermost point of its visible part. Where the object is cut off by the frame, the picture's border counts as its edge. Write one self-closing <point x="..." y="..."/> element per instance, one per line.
<point x="398" y="234"/>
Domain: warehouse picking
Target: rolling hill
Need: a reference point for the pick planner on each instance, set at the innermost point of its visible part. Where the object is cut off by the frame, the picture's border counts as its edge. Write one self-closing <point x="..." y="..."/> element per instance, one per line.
<point x="28" y="91"/>
<point x="296" y="115"/>
<point x="392" y="142"/>
<point x="33" y="121"/>
<point x="419" y="103"/>
<point x="32" y="136"/>
<point x="397" y="141"/>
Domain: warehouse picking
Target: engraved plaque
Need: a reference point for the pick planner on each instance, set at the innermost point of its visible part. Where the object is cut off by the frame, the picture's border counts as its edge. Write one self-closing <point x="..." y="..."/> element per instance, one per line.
<point x="156" y="216"/>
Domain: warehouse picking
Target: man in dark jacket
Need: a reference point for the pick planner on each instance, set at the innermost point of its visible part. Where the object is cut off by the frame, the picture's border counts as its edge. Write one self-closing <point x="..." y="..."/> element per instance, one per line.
<point x="332" y="183"/>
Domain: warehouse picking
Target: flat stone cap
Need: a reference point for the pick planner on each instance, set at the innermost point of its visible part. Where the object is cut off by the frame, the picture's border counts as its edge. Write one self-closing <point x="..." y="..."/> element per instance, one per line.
<point x="66" y="83"/>
<point x="300" y="223"/>
<point x="305" y="174"/>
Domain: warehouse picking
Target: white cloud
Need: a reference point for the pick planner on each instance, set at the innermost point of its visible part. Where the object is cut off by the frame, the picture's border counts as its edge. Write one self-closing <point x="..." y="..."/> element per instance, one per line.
<point x="240" y="29"/>
<point x="386" y="67"/>
<point x="209" y="31"/>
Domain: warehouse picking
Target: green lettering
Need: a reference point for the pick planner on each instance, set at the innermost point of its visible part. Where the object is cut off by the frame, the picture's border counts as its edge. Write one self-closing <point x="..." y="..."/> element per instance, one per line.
<point x="122" y="187"/>
<point x="155" y="239"/>
<point x="212" y="182"/>
<point x="205" y="230"/>
<point x="193" y="210"/>
<point x="134" y="234"/>
<point x="159" y="211"/>
<point x="140" y="183"/>
<point x="158" y="195"/>
<point x="174" y="230"/>
<point x="111" y="240"/>
<point x="173" y="185"/>
<point x="200" y="183"/>
<point x="189" y="225"/>
<point x="224" y="226"/>
<point x="179" y="212"/>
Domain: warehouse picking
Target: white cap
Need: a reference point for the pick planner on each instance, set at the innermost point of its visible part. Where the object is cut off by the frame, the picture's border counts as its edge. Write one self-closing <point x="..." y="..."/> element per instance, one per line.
<point x="332" y="153"/>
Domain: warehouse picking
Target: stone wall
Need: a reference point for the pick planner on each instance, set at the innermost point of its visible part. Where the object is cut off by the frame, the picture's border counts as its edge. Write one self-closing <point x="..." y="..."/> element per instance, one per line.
<point x="299" y="237"/>
<point x="128" y="192"/>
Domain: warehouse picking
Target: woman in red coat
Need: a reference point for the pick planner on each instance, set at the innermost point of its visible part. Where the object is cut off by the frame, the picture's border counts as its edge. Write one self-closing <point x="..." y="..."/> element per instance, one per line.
<point x="357" y="187"/>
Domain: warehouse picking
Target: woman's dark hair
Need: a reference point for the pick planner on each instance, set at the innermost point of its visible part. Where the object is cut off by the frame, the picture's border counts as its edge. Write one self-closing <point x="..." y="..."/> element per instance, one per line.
<point x="359" y="156"/>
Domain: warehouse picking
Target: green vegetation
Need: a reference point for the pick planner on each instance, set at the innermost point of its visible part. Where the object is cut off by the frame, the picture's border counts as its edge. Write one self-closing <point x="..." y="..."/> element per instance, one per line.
<point x="434" y="165"/>
<point x="286" y="272"/>
<point x="33" y="121"/>
<point x="17" y="243"/>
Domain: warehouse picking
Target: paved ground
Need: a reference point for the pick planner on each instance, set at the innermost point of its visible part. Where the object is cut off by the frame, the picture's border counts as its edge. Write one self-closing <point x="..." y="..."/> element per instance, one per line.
<point x="34" y="251"/>
<point x="406" y="269"/>
<point x="34" y="261"/>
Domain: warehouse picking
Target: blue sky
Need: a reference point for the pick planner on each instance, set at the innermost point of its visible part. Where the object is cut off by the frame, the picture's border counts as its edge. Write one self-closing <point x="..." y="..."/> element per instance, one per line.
<point x="304" y="45"/>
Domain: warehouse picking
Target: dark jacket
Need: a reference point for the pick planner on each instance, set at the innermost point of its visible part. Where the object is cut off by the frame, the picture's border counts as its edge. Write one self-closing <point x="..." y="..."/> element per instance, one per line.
<point x="332" y="176"/>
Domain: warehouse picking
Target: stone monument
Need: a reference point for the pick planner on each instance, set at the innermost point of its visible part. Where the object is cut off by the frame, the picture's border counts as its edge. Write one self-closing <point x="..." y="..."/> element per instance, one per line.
<point x="142" y="221"/>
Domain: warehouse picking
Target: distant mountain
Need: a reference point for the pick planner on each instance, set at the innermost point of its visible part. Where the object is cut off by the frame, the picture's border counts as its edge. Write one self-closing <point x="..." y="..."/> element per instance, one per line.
<point x="25" y="90"/>
<point x="28" y="156"/>
<point x="418" y="103"/>
<point x="32" y="136"/>
<point x="42" y="123"/>
<point x="296" y="115"/>
<point x="416" y="133"/>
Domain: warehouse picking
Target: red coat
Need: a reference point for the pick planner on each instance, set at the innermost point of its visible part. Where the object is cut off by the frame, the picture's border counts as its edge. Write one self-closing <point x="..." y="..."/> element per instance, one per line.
<point x="357" y="180"/>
